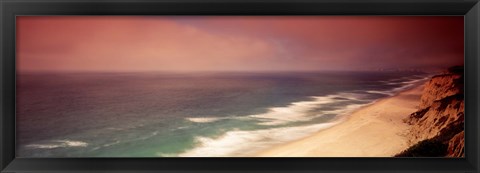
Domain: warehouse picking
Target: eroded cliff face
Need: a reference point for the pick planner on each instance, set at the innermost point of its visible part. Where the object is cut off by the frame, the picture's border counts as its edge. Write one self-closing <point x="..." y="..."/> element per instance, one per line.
<point x="456" y="146"/>
<point x="440" y="87"/>
<point x="441" y="113"/>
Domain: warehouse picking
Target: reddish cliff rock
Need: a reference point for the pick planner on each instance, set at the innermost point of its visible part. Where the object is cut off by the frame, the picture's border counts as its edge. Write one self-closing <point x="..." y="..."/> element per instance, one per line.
<point x="439" y="87"/>
<point x="440" y="118"/>
<point x="441" y="115"/>
<point x="456" y="146"/>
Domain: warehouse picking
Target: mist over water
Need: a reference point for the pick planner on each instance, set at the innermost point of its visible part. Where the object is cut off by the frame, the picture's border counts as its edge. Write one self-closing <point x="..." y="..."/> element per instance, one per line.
<point x="188" y="114"/>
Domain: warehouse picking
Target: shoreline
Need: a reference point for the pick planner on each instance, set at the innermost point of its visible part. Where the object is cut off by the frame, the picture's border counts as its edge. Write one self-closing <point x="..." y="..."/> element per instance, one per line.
<point x="376" y="130"/>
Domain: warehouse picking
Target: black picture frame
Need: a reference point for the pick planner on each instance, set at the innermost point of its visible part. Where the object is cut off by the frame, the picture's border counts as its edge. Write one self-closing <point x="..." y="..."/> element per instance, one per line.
<point x="9" y="9"/>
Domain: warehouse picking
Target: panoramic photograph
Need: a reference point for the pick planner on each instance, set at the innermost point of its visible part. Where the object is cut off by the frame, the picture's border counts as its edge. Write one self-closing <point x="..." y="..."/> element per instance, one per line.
<point x="239" y="86"/>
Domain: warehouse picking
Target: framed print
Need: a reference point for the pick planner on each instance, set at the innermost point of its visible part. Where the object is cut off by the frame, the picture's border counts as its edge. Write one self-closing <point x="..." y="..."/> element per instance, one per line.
<point x="187" y="86"/>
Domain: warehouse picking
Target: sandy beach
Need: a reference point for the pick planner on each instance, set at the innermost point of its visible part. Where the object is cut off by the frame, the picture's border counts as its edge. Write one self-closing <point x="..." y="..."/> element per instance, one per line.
<point x="376" y="130"/>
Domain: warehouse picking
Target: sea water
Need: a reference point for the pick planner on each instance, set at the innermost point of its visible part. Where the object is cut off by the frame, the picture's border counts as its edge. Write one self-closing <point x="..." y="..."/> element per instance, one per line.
<point x="162" y="114"/>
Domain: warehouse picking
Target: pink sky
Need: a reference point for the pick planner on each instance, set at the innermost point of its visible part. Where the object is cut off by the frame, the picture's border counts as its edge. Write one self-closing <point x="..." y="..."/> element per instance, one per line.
<point x="275" y="43"/>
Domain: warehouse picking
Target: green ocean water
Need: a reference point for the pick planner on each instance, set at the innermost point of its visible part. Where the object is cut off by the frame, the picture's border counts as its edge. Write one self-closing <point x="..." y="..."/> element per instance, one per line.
<point x="186" y="114"/>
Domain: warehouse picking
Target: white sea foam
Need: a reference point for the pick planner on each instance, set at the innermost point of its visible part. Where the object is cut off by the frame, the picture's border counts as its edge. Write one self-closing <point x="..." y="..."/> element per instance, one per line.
<point x="297" y="111"/>
<point x="58" y="144"/>
<point x="302" y="111"/>
<point x="205" y="119"/>
<point x="112" y="143"/>
<point x="43" y="146"/>
<point x="243" y="143"/>
<point x="406" y="85"/>
<point x="180" y="128"/>
<point x="161" y="154"/>
<point x="389" y="93"/>
<point x="352" y="96"/>
<point x="75" y="143"/>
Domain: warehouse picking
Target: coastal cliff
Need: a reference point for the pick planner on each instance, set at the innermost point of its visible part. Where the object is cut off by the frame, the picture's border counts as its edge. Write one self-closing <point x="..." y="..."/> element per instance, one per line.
<point x="437" y="128"/>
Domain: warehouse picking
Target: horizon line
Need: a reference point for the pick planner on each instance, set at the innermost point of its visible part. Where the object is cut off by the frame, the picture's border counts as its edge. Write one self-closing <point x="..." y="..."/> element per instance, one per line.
<point x="217" y="71"/>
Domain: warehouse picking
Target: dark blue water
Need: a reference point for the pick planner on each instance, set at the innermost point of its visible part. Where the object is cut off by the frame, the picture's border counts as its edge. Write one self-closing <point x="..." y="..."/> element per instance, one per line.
<point x="182" y="114"/>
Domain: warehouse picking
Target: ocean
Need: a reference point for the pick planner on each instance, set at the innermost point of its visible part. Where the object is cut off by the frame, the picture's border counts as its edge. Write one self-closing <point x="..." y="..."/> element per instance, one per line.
<point x="162" y="114"/>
